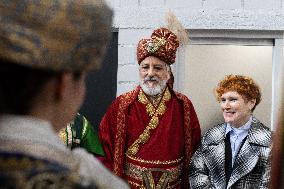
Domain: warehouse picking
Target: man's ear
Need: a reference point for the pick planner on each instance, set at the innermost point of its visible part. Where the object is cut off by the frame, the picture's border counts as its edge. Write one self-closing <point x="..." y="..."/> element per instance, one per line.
<point x="61" y="85"/>
<point x="169" y="71"/>
<point x="169" y="75"/>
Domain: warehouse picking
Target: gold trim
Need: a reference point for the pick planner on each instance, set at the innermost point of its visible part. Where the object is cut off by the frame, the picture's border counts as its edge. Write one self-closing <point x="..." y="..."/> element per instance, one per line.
<point x="62" y="135"/>
<point x="69" y="135"/>
<point x="175" y="185"/>
<point x="124" y="102"/>
<point x="163" y="182"/>
<point x="188" y="110"/>
<point x="85" y="124"/>
<point x="142" y="187"/>
<point x="156" y="162"/>
<point x="136" y="172"/>
<point x="151" y="110"/>
<point x="133" y="183"/>
<point x="154" y="45"/>
<point x="154" y="121"/>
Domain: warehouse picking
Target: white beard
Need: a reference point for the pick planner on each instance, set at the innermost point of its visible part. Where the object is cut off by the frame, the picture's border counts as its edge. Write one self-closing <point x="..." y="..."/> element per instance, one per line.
<point x="155" y="90"/>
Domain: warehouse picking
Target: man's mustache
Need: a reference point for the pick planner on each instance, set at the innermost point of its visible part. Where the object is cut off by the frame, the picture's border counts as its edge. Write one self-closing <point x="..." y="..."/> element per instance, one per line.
<point x="150" y="79"/>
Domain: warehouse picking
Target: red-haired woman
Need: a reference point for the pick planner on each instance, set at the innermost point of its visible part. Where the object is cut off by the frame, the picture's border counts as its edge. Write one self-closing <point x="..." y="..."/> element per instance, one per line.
<point x="234" y="154"/>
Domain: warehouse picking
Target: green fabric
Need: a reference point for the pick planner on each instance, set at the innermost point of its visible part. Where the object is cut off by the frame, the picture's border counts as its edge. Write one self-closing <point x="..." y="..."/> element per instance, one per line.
<point x="91" y="141"/>
<point x="85" y="136"/>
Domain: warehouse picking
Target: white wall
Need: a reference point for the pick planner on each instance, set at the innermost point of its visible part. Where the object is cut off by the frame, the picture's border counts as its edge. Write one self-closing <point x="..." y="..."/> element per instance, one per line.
<point x="208" y="64"/>
<point x="135" y="19"/>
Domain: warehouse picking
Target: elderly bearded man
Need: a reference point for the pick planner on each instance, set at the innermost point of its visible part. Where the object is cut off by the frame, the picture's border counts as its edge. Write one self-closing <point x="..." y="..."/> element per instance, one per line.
<point x="150" y="133"/>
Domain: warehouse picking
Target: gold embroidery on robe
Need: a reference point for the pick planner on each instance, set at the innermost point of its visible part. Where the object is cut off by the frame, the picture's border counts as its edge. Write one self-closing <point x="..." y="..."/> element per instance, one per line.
<point x="155" y="162"/>
<point x="136" y="171"/>
<point x="154" y="113"/>
<point x="118" y="150"/>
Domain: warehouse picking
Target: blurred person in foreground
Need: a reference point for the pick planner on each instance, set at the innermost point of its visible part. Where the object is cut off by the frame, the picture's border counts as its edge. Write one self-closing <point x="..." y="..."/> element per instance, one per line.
<point x="46" y="49"/>
<point x="150" y="133"/>
<point x="237" y="153"/>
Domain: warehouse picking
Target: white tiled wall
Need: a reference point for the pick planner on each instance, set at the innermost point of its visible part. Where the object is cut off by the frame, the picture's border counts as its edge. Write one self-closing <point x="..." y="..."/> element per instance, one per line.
<point x="262" y="4"/>
<point x="136" y="19"/>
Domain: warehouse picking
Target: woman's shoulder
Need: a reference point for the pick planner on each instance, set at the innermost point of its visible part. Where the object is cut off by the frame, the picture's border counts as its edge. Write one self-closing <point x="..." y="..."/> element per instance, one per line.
<point x="215" y="129"/>
<point x="259" y="133"/>
<point x="215" y="134"/>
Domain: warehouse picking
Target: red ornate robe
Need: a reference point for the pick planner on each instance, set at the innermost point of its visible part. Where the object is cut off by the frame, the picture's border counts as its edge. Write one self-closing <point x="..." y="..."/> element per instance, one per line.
<point x="150" y="145"/>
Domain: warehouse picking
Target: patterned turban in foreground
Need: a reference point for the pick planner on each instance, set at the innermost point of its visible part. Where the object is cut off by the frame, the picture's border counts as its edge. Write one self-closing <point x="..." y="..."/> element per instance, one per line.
<point x="57" y="35"/>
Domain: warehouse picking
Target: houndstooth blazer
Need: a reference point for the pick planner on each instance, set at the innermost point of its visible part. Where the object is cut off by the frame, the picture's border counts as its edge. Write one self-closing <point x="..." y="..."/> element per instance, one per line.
<point x="252" y="165"/>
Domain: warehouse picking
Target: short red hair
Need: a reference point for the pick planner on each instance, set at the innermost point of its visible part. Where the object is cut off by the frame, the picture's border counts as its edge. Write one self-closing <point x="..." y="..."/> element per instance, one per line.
<point x="243" y="85"/>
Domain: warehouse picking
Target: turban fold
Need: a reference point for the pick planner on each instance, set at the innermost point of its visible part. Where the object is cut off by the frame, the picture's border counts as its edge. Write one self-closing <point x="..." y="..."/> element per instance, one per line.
<point x="163" y="44"/>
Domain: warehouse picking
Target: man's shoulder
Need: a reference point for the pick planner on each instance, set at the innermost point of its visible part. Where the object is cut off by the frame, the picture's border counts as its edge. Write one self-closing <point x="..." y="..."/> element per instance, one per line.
<point x="182" y="97"/>
<point x="130" y="95"/>
<point x="123" y="101"/>
<point x="127" y="94"/>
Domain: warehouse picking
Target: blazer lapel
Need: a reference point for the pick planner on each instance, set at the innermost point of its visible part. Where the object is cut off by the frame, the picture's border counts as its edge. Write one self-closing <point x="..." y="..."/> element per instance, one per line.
<point x="245" y="162"/>
<point x="249" y="154"/>
<point x="215" y="155"/>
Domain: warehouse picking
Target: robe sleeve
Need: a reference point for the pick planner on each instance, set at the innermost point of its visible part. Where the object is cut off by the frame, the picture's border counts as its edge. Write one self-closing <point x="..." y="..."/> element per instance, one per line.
<point x="195" y="129"/>
<point x="107" y="131"/>
<point x="192" y="134"/>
